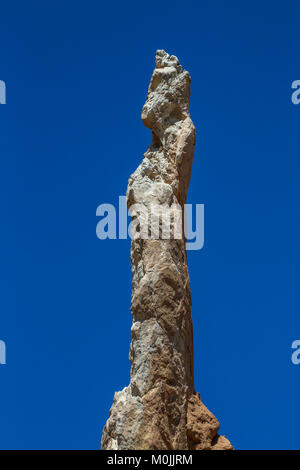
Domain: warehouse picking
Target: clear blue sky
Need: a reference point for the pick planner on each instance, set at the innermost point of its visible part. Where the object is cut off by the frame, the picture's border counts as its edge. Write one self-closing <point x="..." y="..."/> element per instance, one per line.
<point x="77" y="75"/>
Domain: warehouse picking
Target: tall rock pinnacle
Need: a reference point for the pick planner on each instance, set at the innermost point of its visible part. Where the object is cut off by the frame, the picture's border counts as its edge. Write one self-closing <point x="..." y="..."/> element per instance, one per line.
<point x="159" y="409"/>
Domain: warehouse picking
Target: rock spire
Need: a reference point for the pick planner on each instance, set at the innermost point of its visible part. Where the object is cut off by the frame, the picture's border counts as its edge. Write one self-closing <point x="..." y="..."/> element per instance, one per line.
<point x="159" y="409"/>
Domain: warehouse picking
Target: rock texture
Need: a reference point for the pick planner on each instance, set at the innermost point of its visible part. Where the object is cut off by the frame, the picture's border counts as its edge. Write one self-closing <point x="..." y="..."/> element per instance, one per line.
<point x="159" y="409"/>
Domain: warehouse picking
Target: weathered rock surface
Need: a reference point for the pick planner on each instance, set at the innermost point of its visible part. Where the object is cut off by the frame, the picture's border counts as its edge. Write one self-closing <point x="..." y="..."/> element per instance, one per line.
<point x="159" y="409"/>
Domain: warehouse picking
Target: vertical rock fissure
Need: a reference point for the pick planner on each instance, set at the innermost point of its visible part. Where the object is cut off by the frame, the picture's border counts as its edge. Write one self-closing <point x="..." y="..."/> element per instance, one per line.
<point x="159" y="408"/>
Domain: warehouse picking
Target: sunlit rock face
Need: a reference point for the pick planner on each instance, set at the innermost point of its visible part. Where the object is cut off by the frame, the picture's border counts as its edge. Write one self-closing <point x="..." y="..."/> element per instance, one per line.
<point x="159" y="408"/>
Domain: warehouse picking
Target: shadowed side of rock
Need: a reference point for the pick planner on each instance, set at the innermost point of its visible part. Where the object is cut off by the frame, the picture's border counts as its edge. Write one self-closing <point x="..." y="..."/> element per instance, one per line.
<point x="159" y="409"/>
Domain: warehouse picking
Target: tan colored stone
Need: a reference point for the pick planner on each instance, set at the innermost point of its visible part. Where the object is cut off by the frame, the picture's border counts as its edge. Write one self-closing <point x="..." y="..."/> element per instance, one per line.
<point x="159" y="409"/>
<point x="202" y="427"/>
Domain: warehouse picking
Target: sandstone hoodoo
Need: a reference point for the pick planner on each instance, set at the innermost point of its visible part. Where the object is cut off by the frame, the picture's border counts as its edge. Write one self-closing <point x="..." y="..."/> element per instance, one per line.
<point x="159" y="409"/>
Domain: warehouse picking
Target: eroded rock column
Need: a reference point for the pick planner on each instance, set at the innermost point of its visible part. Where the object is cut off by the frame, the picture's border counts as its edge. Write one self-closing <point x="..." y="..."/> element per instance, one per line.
<point x="159" y="409"/>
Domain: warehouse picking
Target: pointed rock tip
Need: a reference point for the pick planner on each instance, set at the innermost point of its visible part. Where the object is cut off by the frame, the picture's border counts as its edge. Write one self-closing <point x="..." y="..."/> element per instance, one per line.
<point x="163" y="59"/>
